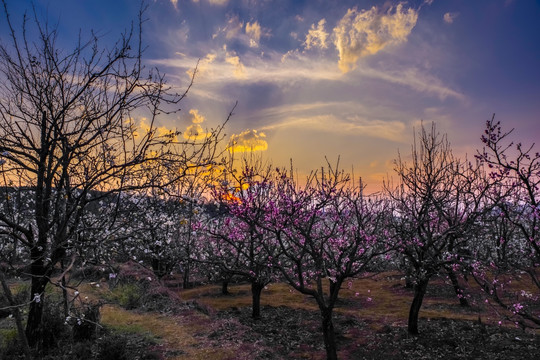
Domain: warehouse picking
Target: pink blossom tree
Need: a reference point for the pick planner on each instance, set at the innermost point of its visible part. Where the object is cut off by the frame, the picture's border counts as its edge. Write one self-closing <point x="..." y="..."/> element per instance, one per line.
<point x="327" y="231"/>
<point x="513" y="226"/>
<point x="436" y="206"/>
<point x="236" y="242"/>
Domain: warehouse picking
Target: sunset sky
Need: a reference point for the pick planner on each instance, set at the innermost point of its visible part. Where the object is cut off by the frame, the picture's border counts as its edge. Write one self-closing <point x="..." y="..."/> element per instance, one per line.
<point x="318" y="78"/>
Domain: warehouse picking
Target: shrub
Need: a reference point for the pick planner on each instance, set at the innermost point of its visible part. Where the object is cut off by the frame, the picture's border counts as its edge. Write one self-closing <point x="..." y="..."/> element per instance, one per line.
<point x="82" y="350"/>
<point x="112" y="347"/>
<point x="137" y="288"/>
<point x="53" y="329"/>
<point x="127" y="295"/>
<point x="86" y="324"/>
<point x="9" y="344"/>
<point x="21" y="293"/>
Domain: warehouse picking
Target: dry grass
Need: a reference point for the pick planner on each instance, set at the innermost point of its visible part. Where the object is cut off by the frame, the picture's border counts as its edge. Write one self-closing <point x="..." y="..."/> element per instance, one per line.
<point x="172" y="332"/>
<point x="240" y="296"/>
<point x="366" y="298"/>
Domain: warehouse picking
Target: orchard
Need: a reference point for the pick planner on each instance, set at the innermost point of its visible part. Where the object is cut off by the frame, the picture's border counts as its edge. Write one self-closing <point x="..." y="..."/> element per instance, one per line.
<point x="104" y="218"/>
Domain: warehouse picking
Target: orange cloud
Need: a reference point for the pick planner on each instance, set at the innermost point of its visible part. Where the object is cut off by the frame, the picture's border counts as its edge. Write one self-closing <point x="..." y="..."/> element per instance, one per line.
<point x="248" y="141"/>
<point x="195" y="131"/>
<point x="158" y="130"/>
<point x="196" y="118"/>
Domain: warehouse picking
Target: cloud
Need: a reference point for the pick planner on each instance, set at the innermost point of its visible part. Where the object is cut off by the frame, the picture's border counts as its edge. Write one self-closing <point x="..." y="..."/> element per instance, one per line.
<point x="450" y="17"/>
<point x="253" y="31"/>
<point x="232" y="29"/>
<point x="195" y="130"/>
<point x="212" y="2"/>
<point x="203" y="67"/>
<point x="239" y="69"/>
<point x="235" y="31"/>
<point x="331" y="124"/>
<point x="224" y="68"/>
<point x="248" y="141"/>
<point x="414" y="79"/>
<point x="295" y="67"/>
<point x="175" y="3"/>
<point x="362" y="33"/>
<point x="317" y="36"/>
<point x="214" y="66"/>
<point x="338" y="116"/>
<point x="195" y="117"/>
<point x="145" y="127"/>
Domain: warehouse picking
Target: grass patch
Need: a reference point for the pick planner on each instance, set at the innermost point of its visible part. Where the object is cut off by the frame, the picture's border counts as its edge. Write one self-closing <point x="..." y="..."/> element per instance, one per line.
<point x="175" y="334"/>
<point x="129" y="296"/>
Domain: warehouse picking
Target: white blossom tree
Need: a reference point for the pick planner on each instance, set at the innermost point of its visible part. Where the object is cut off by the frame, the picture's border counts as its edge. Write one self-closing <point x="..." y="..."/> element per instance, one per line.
<point x="68" y="134"/>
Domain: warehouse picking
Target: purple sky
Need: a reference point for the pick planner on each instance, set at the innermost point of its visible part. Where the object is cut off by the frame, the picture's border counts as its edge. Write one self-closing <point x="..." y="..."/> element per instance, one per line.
<point x="318" y="78"/>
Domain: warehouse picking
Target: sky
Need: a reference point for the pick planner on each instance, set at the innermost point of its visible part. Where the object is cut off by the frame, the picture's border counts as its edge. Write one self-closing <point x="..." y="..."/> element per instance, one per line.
<point x="322" y="79"/>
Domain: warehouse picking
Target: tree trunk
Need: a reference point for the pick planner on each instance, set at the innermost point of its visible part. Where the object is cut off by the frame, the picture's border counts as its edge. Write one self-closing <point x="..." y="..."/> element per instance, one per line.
<point x="458" y="289"/>
<point x="186" y="284"/>
<point x="256" y="289"/>
<point x="409" y="283"/>
<point x="35" y="312"/>
<point x="419" y="292"/>
<point x="225" y="287"/>
<point x="64" y="290"/>
<point x="157" y="268"/>
<point x="329" y="334"/>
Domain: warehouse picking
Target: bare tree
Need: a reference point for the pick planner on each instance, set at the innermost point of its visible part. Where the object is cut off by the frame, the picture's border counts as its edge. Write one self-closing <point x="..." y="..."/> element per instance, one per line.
<point x="68" y="136"/>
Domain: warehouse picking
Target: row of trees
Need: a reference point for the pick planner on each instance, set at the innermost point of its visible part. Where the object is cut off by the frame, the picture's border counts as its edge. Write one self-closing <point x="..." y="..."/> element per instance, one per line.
<point x="84" y="183"/>
<point x="444" y="216"/>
